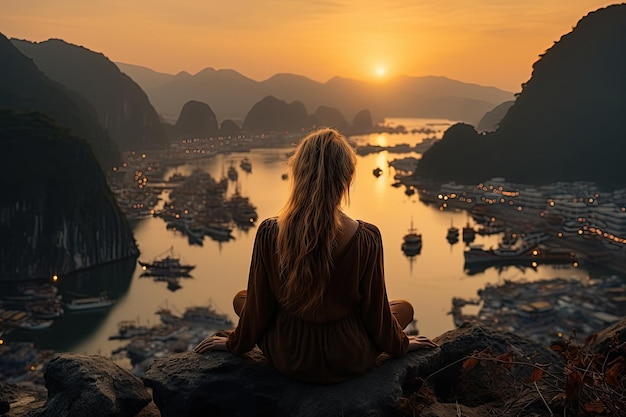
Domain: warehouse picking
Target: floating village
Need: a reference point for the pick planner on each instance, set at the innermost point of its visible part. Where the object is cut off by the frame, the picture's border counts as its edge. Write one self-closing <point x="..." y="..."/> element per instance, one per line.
<point x="572" y="224"/>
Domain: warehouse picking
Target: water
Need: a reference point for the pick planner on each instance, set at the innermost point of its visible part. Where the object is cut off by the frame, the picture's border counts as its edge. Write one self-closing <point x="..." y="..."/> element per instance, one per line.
<point x="428" y="281"/>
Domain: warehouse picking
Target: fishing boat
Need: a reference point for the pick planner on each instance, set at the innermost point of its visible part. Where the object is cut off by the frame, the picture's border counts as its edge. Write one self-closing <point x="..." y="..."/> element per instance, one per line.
<point x="88" y="303"/>
<point x="468" y="233"/>
<point x="168" y="265"/>
<point x="453" y="233"/>
<point x="232" y="172"/>
<point x="205" y="315"/>
<point x="128" y="329"/>
<point x="412" y="242"/>
<point x="377" y="172"/>
<point x="218" y="231"/>
<point x="38" y="290"/>
<point x="246" y="165"/>
<point x="35" y="324"/>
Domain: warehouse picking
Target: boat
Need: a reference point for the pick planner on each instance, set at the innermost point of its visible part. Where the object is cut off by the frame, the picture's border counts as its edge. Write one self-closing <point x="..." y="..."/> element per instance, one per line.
<point x="536" y="236"/>
<point x="88" y="303"/>
<point x="246" y="165"/>
<point x="206" y="315"/>
<point x="453" y="234"/>
<point x="412" y="242"/>
<point x="35" y="324"/>
<point x="218" y="231"/>
<point x="44" y="309"/>
<point x="377" y="172"/>
<point x="128" y="329"/>
<point x="232" y="172"/>
<point x="38" y="290"/>
<point x="168" y="265"/>
<point x="491" y="228"/>
<point x="468" y="233"/>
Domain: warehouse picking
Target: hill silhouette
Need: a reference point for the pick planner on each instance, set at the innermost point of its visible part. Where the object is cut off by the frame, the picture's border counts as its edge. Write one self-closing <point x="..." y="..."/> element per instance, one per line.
<point x="24" y="86"/>
<point x="231" y="95"/>
<point x="566" y="124"/>
<point x="122" y="106"/>
<point x="59" y="214"/>
<point x="275" y="115"/>
<point x="196" y="120"/>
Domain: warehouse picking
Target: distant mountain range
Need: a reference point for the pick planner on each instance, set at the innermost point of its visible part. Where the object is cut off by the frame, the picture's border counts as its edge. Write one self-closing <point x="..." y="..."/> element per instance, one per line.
<point x="567" y="123"/>
<point x="24" y="86"/>
<point x="232" y="95"/>
<point x="122" y="107"/>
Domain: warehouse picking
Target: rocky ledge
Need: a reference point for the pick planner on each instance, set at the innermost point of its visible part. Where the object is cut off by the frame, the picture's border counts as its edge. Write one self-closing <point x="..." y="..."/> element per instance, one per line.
<point x="475" y="371"/>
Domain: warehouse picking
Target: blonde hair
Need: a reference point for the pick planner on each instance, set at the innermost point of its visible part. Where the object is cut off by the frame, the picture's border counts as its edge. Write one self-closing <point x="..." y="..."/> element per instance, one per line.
<point x="322" y="170"/>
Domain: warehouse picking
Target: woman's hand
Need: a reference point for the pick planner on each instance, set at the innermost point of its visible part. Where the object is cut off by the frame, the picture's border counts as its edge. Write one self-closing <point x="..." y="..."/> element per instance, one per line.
<point x="419" y="342"/>
<point x="214" y="342"/>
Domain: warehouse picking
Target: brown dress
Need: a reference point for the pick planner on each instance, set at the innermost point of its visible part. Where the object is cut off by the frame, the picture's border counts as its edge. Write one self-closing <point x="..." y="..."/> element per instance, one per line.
<point x="341" y="339"/>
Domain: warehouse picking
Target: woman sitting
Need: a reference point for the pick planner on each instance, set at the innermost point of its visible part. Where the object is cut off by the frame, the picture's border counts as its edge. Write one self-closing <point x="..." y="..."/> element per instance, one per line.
<point x="316" y="302"/>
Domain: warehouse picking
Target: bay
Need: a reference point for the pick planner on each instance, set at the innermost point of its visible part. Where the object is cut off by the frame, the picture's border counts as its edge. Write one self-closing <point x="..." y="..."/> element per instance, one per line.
<point x="429" y="280"/>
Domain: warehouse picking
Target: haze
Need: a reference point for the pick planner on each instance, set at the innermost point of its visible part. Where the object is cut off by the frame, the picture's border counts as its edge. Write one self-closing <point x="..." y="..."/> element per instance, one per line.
<point x="487" y="42"/>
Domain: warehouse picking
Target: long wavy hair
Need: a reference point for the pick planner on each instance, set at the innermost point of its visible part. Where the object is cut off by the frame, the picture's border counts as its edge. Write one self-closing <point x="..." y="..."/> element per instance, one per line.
<point x="322" y="170"/>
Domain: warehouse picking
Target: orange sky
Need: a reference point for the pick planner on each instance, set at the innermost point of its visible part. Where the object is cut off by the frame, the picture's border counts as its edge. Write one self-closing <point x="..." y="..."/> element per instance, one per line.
<point x="488" y="42"/>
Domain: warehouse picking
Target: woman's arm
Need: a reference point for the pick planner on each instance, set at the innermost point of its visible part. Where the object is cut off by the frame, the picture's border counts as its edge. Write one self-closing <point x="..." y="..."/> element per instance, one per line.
<point x="260" y="302"/>
<point x="259" y="306"/>
<point x="382" y="327"/>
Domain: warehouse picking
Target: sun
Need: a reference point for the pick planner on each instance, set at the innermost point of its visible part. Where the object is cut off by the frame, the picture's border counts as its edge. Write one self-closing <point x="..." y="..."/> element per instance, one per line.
<point x="381" y="71"/>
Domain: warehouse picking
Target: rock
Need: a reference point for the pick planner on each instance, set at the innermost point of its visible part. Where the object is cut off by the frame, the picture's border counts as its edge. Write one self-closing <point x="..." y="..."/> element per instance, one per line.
<point x="472" y="339"/>
<point x="229" y="128"/>
<point x="121" y="106"/>
<point x="19" y="400"/>
<point x="81" y="385"/>
<point x="603" y="341"/>
<point x="362" y="121"/>
<point x="429" y="383"/>
<point x="189" y="384"/>
<point x="275" y="115"/>
<point x="196" y="120"/>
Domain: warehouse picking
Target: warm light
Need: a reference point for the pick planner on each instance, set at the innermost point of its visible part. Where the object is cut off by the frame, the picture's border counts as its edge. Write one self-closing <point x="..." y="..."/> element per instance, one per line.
<point x="144" y="268"/>
<point x="380" y="71"/>
<point x="1" y="341"/>
<point x="55" y="278"/>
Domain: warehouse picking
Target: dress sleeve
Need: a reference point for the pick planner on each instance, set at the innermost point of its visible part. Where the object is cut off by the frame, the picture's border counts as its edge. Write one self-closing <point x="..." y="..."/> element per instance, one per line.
<point x="382" y="327"/>
<point x="260" y="302"/>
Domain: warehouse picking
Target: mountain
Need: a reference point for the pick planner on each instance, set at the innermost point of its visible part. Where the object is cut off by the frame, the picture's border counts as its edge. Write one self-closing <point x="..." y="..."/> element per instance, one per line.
<point x="122" y="107"/>
<point x="196" y="120"/>
<point x="330" y="117"/>
<point x="24" y="86"/>
<point x="491" y="120"/>
<point x="566" y="124"/>
<point x="231" y="95"/>
<point x="58" y="214"/>
<point x="275" y="115"/>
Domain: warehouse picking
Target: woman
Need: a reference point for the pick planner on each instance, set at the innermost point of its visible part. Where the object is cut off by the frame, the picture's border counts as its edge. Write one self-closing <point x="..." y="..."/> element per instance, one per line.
<point x="316" y="302"/>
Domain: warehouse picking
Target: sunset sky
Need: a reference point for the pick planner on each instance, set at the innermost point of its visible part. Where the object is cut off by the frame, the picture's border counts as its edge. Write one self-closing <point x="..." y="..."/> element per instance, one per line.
<point x="487" y="42"/>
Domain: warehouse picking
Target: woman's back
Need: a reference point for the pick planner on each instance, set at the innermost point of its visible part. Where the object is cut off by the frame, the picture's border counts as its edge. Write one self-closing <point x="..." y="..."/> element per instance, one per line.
<point x="316" y="302"/>
<point x="338" y="340"/>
